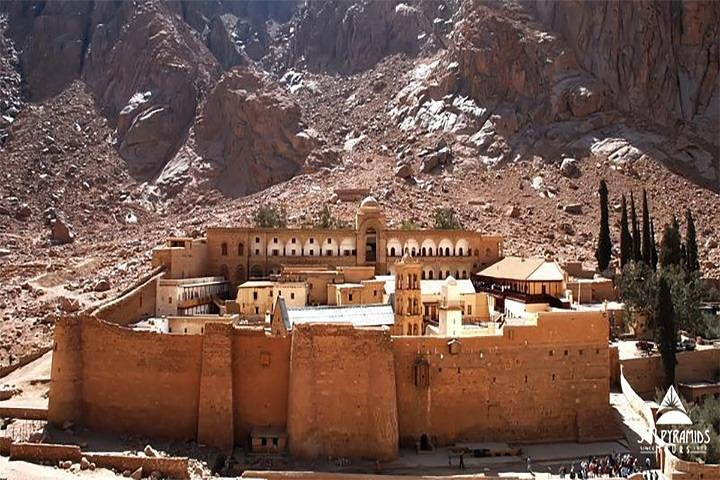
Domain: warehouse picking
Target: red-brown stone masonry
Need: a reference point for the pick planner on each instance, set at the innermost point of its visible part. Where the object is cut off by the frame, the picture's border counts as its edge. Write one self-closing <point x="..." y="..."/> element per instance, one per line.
<point x="140" y="382"/>
<point x="261" y="369"/>
<point x="342" y="393"/>
<point x="215" y="410"/>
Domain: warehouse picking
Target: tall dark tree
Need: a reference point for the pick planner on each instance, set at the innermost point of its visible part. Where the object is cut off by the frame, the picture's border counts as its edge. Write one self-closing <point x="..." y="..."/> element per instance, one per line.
<point x="667" y="330"/>
<point x="646" y="240"/>
<point x="603" y="254"/>
<point x="692" y="263"/>
<point x="626" y="241"/>
<point x="654" y="246"/>
<point x="671" y="245"/>
<point x="635" y="230"/>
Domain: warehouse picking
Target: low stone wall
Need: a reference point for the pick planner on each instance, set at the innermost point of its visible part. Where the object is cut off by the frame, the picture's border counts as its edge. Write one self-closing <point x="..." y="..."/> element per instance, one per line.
<point x="24" y="360"/>
<point x="15" y="410"/>
<point x="646" y="374"/>
<point x="44" y="452"/>
<point x="170" y="467"/>
<point x="674" y="468"/>
<point x="134" y="302"/>
<point x="173" y="467"/>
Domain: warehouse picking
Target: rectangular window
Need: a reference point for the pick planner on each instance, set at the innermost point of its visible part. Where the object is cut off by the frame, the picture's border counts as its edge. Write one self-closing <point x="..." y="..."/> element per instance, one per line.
<point x="350" y="297"/>
<point x="293" y="240"/>
<point x="254" y="295"/>
<point x="328" y="253"/>
<point x="293" y="251"/>
<point x="257" y="251"/>
<point x="276" y="252"/>
<point x="329" y="241"/>
<point x="170" y="300"/>
<point x="274" y="240"/>
<point x="312" y="252"/>
<point x="257" y="239"/>
<point x="312" y="240"/>
<point x="292" y="296"/>
<point x="469" y="309"/>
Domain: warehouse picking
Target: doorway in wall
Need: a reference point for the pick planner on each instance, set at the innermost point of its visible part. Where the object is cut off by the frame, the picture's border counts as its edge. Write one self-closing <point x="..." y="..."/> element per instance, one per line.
<point x="425" y="444"/>
<point x="371" y="245"/>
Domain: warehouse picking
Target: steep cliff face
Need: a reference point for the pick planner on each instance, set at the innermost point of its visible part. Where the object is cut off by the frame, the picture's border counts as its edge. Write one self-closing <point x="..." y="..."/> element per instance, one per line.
<point x="353" y="36"/>
<point x="660" y="60"/>
<point x="251" y="134"/>
<point x="511" y="88"/>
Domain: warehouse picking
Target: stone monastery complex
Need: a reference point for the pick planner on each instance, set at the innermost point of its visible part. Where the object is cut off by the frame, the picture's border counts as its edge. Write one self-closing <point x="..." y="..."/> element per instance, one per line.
<point x="347" y="342"/>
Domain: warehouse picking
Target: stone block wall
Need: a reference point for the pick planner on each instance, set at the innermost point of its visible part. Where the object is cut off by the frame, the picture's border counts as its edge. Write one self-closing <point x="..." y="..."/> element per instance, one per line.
<point x="341" y="399"/>
<point x="646" y="374"/>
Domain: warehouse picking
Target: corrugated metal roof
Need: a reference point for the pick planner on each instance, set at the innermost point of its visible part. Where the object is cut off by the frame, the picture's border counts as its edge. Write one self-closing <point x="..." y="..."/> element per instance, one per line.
<point x="356" y="315"/>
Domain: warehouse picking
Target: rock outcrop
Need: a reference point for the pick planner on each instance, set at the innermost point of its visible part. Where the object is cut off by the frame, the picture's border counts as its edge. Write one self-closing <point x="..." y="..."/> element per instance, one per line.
<point x="353" y="36"/>
<point x="251" y="134"/>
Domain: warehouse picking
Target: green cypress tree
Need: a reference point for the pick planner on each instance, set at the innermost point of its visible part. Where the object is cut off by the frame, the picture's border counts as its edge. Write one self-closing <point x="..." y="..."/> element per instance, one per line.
<point x="671" y="245"/>
<point x="626" y="241"/>
<point x="654" y="246"/>
<point x="635" y="230"/>
<point x="646" y="241"/>
<point x="667" y="330"/>
<point x="692" y="263"/>
<point x="603" y="254"/>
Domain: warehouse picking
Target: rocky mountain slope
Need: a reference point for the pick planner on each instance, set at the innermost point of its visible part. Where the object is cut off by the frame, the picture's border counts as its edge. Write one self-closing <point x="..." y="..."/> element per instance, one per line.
<point x="130" y="121"/>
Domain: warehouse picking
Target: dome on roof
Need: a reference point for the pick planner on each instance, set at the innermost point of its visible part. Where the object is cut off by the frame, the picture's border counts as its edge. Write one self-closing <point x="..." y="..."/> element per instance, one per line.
<point x="369" y="202"/>
<point x="450" y="280"/>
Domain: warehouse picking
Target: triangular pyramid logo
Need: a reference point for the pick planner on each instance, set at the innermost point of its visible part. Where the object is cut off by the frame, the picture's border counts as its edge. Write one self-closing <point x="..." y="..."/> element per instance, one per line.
<point x="672" y="411"/>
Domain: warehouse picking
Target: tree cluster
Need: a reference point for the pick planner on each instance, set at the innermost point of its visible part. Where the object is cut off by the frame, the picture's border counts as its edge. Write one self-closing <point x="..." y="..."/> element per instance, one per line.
<point x="663" y="284"/>
<point x="270" y="216"/>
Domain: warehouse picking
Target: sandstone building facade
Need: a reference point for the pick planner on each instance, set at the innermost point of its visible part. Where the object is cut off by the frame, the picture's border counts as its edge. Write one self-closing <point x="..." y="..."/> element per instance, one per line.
<point x="239" y="254"/>
<point x="332" y="385"/>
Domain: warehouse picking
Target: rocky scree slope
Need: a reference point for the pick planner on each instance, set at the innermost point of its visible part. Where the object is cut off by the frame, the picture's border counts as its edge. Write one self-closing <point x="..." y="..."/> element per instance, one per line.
<point x="164" y="114"/>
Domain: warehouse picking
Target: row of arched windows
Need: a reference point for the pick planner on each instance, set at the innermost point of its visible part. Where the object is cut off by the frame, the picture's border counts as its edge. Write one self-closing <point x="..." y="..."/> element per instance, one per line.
<point x="224" y="249"/>
<point x="442" y="274"/>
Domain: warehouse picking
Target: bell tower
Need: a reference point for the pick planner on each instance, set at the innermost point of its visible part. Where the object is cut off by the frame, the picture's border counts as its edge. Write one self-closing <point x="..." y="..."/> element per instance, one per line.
<point x="408" y="301"/>
<point x="370" y="241"/>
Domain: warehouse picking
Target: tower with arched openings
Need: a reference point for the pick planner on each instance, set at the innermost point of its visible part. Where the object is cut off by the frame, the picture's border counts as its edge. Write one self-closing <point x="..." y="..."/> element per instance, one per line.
<point x="408" y="301"/>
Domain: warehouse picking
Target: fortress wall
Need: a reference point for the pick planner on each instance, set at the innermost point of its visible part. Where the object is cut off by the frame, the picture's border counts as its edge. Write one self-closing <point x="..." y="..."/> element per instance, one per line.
<point x="646" y="374"/>
<point x="342" y="393"/>
<point x="502" y="388"/>
<point x="66" y="371"/>
<point x="260" y="370"/>
<point x="215" y="412"/>
<point x="136" y="302"/>
<point x="140" y="382"/>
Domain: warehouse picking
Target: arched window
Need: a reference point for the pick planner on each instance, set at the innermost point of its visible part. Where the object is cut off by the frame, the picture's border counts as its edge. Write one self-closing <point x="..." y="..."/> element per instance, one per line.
<point x="447" y="251"/>
<point x="422" y="252"/>
<point x="487" y="252"/>
<point x="464" y="274"/>
<point x="460" y="252"/>
<point x="430" y="275"/>
<point x="241" y="249"/>
<point x="223" y="249"/>
<point x="457" y="274"/>
<point x="422" y="276"/>
<point x="392" y="251"/>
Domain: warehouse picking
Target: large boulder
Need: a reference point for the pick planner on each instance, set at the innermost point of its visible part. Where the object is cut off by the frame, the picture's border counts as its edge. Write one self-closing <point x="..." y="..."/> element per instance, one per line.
<point x="569" y="168"/>
<point x="60" y="232"/>
<point x="251" y="134"/>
